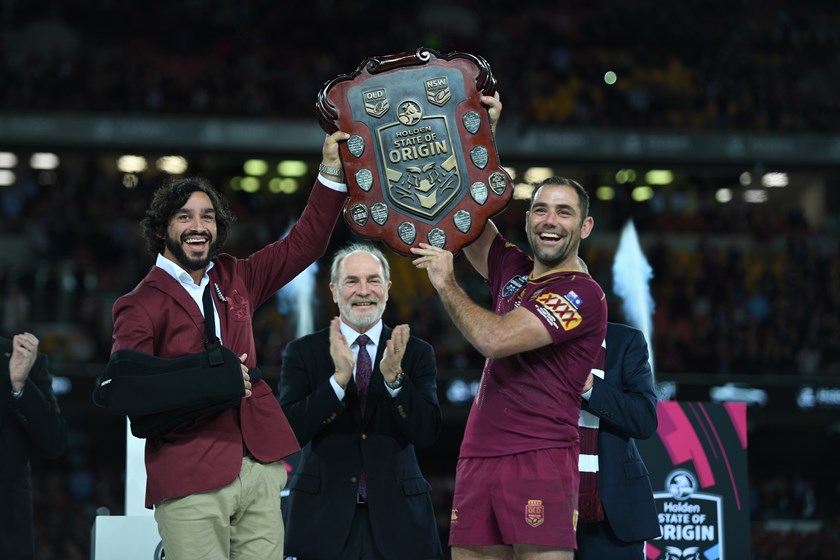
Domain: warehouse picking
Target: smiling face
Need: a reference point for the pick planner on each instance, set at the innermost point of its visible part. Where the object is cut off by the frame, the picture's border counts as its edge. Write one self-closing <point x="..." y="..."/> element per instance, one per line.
<point x="360" y="290"/>
<point x="555" y="226"/>
<point x="191" y="234"/>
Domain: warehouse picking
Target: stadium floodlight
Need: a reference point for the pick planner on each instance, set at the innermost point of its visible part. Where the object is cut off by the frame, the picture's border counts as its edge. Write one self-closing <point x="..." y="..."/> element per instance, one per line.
<point x="774" y="179"/>
<point x="43" y="160"/>
<point x="292" y="168"/>
<point x="132" y="164"/>
<point x="8" y="160"/>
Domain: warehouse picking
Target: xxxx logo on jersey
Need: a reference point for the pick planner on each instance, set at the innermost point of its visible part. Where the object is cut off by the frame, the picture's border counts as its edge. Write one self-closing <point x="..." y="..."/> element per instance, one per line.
<point x="563" y="309"/>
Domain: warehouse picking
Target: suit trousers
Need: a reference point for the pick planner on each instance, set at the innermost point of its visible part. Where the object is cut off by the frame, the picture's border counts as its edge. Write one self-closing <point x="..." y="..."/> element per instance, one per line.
<point x="241" y="520"/>
<point x="360" y="544"/>
<point x="16" y="530"/>
<point x="597" y="541"/>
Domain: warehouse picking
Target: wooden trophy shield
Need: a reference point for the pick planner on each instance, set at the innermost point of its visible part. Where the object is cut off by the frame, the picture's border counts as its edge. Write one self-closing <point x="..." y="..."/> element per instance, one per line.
<point x="421" y="162"/>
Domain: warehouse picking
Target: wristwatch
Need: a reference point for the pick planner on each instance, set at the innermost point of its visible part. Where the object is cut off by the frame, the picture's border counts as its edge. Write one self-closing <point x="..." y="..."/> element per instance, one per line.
<point x="331" y="171"/>
<point x="396" y="383"/>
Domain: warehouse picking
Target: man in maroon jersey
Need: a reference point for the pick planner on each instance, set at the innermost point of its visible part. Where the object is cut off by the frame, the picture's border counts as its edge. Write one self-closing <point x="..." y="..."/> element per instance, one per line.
<point x="516" y="487"/>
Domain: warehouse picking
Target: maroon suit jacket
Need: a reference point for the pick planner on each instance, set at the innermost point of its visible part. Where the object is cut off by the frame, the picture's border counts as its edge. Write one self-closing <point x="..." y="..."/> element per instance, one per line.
<point x="160" y="318"/>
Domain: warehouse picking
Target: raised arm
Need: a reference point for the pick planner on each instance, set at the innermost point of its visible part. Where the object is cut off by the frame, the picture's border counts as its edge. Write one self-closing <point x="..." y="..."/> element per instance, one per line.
<point x="476" y="252"/>
<point x="37" y="407"/>
<point x="416" y="409"/>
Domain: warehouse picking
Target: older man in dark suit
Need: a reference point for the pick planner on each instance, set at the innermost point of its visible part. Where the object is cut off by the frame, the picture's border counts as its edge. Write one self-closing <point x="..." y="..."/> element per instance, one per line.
<point x="360" y="396"/>
<point x="30" y="424"/>
<point x="624" y="402"/>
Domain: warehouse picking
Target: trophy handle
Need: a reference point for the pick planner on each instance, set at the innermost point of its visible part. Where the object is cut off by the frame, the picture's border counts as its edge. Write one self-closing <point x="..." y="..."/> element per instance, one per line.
<point x="484" y="81"/>
<point x="327" y="113"/>
<point x="376" y="65"/>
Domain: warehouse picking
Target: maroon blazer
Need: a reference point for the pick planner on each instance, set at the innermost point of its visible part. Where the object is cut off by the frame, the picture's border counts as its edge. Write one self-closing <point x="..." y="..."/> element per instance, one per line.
<point x="160" y="318"/>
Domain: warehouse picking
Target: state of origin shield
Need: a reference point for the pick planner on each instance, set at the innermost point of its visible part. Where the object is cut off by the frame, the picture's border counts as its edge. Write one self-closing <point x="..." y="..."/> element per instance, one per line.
<point x="421" y="162"/>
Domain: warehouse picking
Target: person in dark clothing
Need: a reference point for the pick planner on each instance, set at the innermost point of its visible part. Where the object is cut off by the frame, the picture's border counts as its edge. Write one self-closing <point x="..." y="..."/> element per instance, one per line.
<point x="31" y="424"/>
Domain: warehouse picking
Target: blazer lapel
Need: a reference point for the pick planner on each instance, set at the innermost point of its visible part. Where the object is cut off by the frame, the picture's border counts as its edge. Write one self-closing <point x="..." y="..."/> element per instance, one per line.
<point x="376" y="390"/>
<point x="161" y="280"/>
<point x="221" y="306"/>
<point x="351" y="395"/>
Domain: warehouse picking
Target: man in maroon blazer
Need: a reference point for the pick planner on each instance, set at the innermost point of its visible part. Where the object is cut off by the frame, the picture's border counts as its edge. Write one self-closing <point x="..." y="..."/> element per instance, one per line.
<point x="215" y="481"/>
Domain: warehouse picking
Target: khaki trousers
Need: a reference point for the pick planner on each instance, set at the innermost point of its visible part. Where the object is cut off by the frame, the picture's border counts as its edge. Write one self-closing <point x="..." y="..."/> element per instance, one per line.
<point x="241" y="521"/>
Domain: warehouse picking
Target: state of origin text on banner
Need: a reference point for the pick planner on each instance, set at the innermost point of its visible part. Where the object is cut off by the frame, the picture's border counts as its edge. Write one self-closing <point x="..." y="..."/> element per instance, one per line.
<point x="698" y="469"/>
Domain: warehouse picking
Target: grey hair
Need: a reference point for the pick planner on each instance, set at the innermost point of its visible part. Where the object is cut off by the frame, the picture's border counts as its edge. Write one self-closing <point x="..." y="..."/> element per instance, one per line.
<point x="342" y="254"/>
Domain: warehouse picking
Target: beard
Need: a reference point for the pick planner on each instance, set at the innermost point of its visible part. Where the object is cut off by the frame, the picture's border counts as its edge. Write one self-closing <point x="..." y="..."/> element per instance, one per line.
<point x="188" y="263"/>
<point x="552" y="258"/>
<point x="362" y="319"/>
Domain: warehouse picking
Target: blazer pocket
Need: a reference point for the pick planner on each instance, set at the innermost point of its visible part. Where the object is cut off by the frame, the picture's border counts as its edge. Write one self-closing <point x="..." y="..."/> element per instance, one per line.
<point x="635" y="469"/>
<point x="306" y="483"/>
<point x="414" y="486"/>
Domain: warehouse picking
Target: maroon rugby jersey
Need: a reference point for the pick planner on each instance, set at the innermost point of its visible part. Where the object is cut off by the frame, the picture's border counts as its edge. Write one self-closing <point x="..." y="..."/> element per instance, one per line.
<point x="531" y="400"/>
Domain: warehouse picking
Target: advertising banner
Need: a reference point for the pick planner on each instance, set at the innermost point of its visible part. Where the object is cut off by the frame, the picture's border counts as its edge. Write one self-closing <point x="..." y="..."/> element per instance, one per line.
<point x="698" y="468"/>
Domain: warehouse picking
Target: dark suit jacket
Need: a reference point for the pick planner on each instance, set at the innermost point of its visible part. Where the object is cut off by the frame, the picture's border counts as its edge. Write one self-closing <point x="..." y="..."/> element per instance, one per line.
<point x="30" y="425"/>
<point x="160" y="318"/>
<point x="337" y="442"/>
<point x="625" y="402"/>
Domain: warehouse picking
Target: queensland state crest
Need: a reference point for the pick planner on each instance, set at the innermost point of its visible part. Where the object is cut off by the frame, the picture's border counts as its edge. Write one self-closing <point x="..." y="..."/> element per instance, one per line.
<point x="534" y="513"/>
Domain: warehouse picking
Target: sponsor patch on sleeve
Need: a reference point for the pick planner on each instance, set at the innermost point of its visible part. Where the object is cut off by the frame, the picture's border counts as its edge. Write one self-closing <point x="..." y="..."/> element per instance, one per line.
<point x="574" y="299"/>
<point x="514" y="284"/>
<point x="561" y="308"/>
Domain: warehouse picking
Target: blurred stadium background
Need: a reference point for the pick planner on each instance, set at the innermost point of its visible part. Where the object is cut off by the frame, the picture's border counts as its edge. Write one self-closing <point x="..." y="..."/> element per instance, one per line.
<point x="714" y="126"/>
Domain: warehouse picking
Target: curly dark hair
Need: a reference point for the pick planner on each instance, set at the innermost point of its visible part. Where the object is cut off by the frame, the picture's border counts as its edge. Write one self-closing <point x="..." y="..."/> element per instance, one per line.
<point x="171" y="197"/>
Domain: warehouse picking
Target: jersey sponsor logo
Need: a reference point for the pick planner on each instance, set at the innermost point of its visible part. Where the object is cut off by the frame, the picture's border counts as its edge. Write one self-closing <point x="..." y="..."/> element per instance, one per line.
<point x="574" y="299"/>
<point x="534" y="513"/>
<point x="514" y="284"/>
<point x="561" y="308"/>
<point x="548" y="316"/>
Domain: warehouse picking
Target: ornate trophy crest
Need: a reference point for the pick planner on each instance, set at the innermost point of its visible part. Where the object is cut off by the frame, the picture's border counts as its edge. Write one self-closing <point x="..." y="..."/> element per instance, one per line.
<point x="421" y="162"/>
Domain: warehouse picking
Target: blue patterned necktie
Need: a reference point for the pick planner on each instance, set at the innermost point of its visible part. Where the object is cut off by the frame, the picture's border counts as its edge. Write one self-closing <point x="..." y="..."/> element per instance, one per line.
<point x="363" y="371"/>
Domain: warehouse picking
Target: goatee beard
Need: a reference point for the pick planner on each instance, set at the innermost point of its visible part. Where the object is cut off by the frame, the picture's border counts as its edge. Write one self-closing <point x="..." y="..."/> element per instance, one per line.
<point x="185" y="261"/>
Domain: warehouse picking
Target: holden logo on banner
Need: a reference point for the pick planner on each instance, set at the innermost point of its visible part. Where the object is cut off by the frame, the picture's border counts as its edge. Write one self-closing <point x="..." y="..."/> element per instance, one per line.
<point x="690" y="521"/>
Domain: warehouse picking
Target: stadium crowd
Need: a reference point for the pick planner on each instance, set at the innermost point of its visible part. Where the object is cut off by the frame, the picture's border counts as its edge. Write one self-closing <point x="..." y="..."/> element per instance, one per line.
<point x="766" y="66"/>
